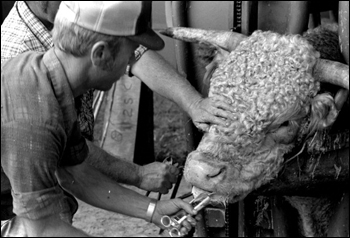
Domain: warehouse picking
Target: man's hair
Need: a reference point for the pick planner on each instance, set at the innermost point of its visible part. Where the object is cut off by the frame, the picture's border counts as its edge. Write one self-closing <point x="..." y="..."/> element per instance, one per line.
<point x="77" y="40"/>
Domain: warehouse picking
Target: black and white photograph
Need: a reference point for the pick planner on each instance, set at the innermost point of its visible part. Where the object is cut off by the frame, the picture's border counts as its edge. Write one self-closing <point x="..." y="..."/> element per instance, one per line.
<point x="175" y="118"/>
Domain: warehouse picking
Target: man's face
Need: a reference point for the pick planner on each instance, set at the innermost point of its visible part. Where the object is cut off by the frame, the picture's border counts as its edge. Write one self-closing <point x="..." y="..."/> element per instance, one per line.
<point x="125" y="56"/>
<point x="52" y="8"/>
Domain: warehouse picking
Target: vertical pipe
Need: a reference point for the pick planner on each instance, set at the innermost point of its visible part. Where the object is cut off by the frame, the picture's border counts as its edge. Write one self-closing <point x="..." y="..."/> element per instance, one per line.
<point x="249" y="17"/>
<point x="343" y="29"/>
<point x="298" y="17"/>
<point x="241" y="219"/>
<point x="144" y="142"/>
<point x="178" y="11"/>
<point x="339" y="224"/>
<point x="279" y="216"/>
<point x="184" y="66"/>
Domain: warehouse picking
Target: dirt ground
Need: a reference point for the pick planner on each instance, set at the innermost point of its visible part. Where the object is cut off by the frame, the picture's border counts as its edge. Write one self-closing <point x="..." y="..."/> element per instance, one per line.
<point x="169" y="140"/>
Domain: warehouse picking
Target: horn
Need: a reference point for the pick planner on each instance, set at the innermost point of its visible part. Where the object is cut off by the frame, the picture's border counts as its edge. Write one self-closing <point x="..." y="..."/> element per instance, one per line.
<point x="332" y="72"/>
<point x="224" y="39"/>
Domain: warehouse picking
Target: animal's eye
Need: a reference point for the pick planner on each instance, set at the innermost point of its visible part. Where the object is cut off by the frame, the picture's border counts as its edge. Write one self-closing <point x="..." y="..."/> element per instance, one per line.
<point x="286" y="123"/>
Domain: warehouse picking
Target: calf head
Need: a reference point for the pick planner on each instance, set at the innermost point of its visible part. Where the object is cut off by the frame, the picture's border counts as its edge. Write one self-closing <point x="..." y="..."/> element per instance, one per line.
<point x="273" y="82"/>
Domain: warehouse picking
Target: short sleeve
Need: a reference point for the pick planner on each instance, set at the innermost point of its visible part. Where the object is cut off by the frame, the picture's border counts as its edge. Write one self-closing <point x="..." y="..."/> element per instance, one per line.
<point x="30" y="155"/>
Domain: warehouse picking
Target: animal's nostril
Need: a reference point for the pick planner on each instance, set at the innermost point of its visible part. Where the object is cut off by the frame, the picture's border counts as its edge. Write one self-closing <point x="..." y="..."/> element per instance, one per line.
<point x="215" y="173"/>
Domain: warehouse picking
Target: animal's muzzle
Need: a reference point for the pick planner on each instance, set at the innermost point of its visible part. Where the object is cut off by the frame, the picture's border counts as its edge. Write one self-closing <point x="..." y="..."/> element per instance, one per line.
<point x="200" y="170"/>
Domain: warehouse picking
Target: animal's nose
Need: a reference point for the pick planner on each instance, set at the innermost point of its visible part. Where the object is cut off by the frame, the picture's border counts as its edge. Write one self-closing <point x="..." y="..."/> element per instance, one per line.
<point x="202" y="172"/>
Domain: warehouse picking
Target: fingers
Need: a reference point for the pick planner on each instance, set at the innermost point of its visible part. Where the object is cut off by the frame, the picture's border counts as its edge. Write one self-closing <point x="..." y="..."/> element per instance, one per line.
<point x="221" y="98"/>
<point x="212" y="119"/>
<point x="173" y="170"/>
<point x="198" y="217"/>
<point x="187" y="225"/>
<point x="202" y="126"/>
<point x="190" y="221"/>
<point x="215" y="110"/>
<point x="172" y="173"/>
<point x="184" y="230"/>
<point x="166" y="186"/>
<point x="226" y="114"/>
<point x="180" y="211"/>
<point x="185" y="206"/>
<point x="159" y="177"/>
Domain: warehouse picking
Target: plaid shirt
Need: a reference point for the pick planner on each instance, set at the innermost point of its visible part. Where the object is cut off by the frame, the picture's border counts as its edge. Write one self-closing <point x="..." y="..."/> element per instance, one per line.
<point x="39" y="133"/>
<point x="22" y="31"/>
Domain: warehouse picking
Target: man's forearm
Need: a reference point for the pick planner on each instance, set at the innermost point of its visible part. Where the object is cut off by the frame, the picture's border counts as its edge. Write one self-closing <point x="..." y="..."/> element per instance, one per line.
<point x="162" y="78"/>
<point x="89" y="185"/>
<point x="115" y="168"/>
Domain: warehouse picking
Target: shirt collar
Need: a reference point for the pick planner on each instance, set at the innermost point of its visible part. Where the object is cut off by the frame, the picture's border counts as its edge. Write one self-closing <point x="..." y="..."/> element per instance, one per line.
<point x="61" y="88"/>
<point x="37" y="28"/>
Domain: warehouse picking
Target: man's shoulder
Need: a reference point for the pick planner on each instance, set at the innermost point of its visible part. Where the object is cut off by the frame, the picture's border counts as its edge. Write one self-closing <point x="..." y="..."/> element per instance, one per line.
<point x="27" y="91"/>
<point x="25" y="68"/>
<point x="21" y="62"/>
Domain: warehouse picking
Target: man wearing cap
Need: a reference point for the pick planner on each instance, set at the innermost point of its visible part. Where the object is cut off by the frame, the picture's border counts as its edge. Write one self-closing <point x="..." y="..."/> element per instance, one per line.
<point x="27" y="28"/>
<point x="42" y="149"/>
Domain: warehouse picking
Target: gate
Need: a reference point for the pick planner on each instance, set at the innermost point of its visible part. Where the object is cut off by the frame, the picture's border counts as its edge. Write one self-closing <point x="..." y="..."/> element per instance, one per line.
<point x="265" y="212"/>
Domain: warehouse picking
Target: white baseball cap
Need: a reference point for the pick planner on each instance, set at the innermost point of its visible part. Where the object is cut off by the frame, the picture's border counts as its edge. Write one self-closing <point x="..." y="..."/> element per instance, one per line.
<point x="117" y="18"/>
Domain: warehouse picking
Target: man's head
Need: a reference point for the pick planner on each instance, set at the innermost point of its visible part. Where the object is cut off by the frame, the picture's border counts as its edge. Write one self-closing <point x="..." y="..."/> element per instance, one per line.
<point x="108" y="32"/>
<point x="115" y="18"/>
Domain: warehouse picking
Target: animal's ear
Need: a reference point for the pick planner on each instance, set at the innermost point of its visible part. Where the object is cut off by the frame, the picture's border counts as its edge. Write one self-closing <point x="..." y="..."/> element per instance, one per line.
<point x="323" y="112"/>
<point x="219" y="55"/>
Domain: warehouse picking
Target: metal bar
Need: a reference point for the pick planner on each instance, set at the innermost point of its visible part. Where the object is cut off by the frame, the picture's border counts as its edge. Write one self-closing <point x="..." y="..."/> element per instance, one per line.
<point x="249" y="15"/>
<point x="339" y="223"/>
<point x="96" y="98"/>
<point x="279" y="218"/>
<point x="104" y="134"/>
<point x="98" y="105"/>
<point x="241" y="219"/>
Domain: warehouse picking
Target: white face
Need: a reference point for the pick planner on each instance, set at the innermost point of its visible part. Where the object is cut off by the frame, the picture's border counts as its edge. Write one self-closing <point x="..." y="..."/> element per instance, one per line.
<point x="232" y="176"/>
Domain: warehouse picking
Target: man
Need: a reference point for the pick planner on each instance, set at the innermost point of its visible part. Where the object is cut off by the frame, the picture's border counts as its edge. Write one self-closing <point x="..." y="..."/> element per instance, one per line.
<point x="41" y="142"/>
<point x="27" y="28"/>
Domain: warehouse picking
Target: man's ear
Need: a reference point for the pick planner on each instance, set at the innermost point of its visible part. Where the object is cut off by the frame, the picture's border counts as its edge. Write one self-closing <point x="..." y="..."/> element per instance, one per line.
<point x="101" y="55"/>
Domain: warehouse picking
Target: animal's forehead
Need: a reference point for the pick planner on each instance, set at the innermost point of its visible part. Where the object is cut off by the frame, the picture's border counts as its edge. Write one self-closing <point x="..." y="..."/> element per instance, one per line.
<point x="265" y="76"/>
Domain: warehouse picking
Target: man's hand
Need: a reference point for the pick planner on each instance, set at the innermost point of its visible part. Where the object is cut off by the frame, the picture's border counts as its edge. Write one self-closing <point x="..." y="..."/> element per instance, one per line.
<point x="212" y="110"/>
<point x="158" y="177"/>
<point x="179" y="208"/>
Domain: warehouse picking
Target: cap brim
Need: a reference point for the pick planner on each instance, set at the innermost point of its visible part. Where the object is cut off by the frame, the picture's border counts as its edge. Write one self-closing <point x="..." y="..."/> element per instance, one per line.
<point x="149" y="39"/>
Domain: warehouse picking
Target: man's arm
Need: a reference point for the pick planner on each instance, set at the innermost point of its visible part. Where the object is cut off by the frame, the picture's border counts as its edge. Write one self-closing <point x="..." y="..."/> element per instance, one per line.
<point x="96" y="189"/>
<point x="162" y="78"/>
<point x="89" y="185"/>
<point x="156" y="177"/>
<point x="116" y="168"/>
